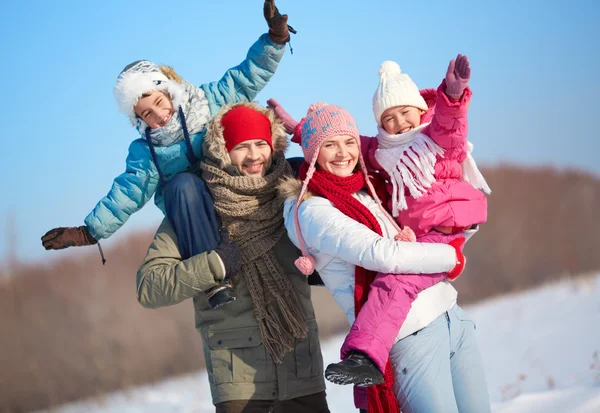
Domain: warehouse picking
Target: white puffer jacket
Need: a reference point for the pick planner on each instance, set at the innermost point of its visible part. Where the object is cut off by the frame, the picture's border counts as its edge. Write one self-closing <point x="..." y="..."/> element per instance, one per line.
<point x="339" y="243"/>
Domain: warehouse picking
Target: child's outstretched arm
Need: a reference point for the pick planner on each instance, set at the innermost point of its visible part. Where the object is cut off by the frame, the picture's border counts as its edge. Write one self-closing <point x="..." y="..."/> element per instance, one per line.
<point x="245" y="81"/>
<point x="449" y="126"/>
<point x="129" y="192"/>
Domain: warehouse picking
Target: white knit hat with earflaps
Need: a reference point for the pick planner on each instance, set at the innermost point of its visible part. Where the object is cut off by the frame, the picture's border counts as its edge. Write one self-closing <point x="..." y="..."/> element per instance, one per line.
<point x="140" y="77"/>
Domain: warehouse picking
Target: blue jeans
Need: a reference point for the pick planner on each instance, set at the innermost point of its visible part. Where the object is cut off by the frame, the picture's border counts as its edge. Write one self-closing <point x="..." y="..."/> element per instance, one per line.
<point x="439" y="369"/>
<point x="191" y="211"/>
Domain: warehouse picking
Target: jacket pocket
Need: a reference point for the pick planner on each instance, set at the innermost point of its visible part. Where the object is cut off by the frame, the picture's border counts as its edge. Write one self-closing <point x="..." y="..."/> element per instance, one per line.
<point x="309" y="360"/>
<point x="463" y="317"/>
<point x="237" y="355"/>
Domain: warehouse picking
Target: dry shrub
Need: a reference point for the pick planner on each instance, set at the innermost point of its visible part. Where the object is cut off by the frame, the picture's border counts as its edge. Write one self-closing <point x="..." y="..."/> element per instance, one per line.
<point x="74" y="329"/>
<point x="542" y="225"/>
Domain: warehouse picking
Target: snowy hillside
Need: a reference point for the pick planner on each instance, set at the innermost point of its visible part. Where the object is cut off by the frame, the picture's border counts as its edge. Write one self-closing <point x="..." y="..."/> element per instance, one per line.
<point x="540" y="348"/>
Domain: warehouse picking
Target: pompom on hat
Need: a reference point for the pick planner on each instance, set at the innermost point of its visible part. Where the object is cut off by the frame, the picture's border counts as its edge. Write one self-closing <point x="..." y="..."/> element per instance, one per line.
<point x="322" y="122"/>
<point x="395" y="89"/>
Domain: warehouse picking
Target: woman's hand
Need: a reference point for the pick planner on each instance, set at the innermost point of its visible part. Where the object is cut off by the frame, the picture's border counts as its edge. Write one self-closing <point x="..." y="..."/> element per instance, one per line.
<point x="288" y="121"/>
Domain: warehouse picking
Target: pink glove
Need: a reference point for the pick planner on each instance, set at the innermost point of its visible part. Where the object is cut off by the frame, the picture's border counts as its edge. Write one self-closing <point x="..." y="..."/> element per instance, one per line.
<point x="457" y="77"/>
<point x="287" y="119"/>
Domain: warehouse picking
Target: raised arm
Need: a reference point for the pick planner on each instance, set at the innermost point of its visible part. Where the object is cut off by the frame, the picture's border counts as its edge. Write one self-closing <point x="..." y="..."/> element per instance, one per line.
<point x="129" y="193"/>
<point x="449" y="126"/>
<point x="245" y="81"/>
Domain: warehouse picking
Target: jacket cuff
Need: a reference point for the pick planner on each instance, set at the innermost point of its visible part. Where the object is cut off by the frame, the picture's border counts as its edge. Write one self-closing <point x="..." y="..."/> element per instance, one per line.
<point x="216" y="266"/>
<point x="461" y="104"/>
<point x="268" y="42"/>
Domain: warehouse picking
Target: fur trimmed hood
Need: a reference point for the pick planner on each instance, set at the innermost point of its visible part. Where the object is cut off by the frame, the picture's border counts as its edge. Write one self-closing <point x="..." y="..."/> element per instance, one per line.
<point x="142" y="77"/>
<point x="214" y="143"/>
<point x="290" y="188"/>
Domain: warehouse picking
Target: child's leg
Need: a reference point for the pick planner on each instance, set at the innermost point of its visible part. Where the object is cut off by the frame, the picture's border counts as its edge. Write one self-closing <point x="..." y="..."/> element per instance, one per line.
<point x="190" y="209"/>
<point x="390" y="298"/>
<point x="378" y="322"/>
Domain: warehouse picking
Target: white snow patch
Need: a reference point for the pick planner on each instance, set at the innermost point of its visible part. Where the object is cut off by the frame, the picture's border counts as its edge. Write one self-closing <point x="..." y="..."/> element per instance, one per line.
<point x="538" y="348"/>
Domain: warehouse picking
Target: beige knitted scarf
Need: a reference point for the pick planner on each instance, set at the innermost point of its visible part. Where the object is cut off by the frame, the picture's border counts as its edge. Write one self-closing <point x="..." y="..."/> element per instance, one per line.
<point x="252" y="210"/>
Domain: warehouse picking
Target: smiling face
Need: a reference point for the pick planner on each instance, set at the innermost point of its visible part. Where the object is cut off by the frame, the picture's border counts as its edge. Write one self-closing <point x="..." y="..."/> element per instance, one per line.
<point x="401" y="119"/>
<point x="154" y="108"/>
<point x="339" y="155"/>
<point x="252" y="157"/>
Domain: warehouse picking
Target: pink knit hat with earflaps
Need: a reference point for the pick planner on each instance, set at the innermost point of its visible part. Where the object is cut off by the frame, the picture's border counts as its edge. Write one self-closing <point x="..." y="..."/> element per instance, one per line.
<point x="322" y="122"/>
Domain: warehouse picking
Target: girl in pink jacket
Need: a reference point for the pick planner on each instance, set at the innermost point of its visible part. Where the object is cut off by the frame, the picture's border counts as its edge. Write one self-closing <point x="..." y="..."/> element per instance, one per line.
<point x="422" y="152"/>
<point x="435" y="194"/>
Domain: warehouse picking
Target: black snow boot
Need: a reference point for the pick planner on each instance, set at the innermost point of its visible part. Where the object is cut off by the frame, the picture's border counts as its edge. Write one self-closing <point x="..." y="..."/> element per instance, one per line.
<point x="220" y="295"/>
<point x="357" y="369"/>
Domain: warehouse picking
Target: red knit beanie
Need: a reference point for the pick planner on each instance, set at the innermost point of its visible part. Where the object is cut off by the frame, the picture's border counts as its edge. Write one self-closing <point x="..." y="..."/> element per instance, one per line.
<point x="243" y="124"/>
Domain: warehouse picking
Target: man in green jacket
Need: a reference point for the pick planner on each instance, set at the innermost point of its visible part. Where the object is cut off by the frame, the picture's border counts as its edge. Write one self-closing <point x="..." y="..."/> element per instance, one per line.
<point x="262" y="351"/>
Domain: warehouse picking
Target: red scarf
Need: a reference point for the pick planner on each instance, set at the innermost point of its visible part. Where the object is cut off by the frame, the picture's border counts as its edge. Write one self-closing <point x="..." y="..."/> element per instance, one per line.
<point x="339" y="191"/>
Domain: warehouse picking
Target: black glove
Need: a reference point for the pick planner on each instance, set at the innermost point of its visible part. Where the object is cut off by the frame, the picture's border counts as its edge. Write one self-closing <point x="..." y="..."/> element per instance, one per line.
<point x="279" y="31"/>
<point x="230" y="254"/>
<point x="64" y="237"/>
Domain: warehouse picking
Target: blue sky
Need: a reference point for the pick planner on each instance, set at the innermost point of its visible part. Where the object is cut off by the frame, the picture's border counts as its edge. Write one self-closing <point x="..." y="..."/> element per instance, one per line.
<point x="535" y="67"/>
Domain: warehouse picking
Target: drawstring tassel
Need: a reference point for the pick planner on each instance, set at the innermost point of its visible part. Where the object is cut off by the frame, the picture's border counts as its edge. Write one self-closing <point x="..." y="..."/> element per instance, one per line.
<point x="291" y="30"/>
<point x="306" y="264"/>
<point x="101" y="254"/>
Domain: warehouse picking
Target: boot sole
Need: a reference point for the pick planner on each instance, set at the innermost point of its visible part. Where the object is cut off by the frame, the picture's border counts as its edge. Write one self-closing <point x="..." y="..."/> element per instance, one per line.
<point x="339" y="375"/>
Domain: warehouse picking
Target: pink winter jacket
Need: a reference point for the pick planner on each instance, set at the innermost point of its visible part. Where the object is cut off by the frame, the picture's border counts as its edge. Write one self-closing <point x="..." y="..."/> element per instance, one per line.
<point x="450" y="201"/>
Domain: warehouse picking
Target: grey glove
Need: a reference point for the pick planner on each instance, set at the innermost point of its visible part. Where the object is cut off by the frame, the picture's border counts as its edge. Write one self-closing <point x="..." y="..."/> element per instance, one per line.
<point x="230" y="254"/>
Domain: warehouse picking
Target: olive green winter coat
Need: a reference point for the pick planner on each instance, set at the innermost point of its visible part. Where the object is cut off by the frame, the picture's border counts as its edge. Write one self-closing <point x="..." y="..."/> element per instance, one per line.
<point x="238" y="365"/>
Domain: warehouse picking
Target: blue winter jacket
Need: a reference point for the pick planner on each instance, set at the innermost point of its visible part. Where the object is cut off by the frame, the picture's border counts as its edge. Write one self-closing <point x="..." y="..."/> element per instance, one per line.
<point x="132" y="189"/>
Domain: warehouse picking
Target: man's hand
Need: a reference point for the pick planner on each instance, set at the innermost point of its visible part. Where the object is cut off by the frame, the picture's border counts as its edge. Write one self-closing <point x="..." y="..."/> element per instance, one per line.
<point x="230" y="254"/>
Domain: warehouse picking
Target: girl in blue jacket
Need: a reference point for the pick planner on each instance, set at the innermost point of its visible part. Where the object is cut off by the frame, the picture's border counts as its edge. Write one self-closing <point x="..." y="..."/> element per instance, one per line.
<point x="170" y="115"/>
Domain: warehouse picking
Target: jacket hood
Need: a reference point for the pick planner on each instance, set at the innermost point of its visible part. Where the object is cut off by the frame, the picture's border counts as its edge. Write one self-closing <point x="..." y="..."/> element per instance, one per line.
<point x="142" y="77"/>
<point x="214" y="142"/>
<point x="290" y="188"/>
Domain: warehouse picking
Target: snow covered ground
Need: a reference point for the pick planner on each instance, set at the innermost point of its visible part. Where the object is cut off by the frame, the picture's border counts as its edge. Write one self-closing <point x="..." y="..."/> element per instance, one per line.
<point x="540" y="348"/>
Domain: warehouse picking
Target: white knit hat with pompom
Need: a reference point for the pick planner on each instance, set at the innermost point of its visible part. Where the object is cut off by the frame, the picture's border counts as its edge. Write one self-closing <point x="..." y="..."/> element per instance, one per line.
<point x="395" y="89"/>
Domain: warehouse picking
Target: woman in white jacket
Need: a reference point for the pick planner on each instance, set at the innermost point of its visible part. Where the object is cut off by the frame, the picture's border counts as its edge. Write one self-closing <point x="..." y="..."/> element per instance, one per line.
<point x="345" y="234"/>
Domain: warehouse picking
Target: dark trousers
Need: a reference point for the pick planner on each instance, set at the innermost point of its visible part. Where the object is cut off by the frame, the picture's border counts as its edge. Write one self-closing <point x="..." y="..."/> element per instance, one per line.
<point x="313" y="403"/>
<point x="191" y="211"/>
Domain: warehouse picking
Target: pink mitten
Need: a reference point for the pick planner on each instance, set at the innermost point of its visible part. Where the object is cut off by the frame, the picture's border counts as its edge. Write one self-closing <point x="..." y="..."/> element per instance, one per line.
<point x="288" y="121"/>
<point x="457" y="77"/>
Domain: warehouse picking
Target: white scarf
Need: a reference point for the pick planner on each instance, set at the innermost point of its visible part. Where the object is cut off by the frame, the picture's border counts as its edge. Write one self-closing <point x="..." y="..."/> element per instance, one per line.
<point x="409" y="159"/>
<point x="195" y="110"/>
